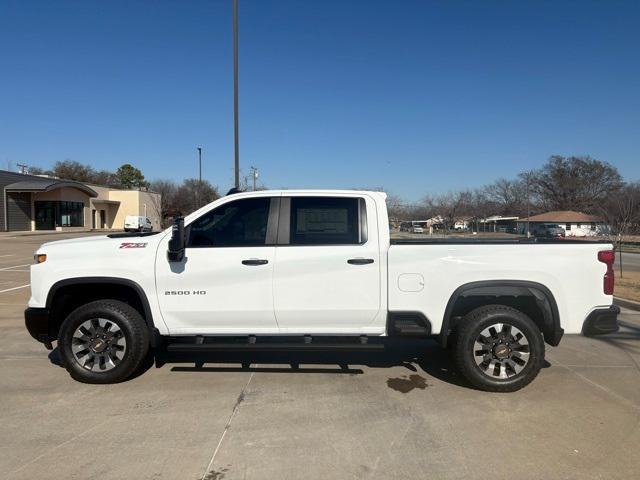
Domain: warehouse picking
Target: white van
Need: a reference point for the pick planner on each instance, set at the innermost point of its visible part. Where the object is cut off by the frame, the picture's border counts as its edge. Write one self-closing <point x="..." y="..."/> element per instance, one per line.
<point x="135" y="223"/>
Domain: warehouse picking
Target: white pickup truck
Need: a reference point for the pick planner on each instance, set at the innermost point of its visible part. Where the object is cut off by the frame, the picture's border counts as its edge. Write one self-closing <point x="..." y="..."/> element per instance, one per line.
<point x="277" y="270"/>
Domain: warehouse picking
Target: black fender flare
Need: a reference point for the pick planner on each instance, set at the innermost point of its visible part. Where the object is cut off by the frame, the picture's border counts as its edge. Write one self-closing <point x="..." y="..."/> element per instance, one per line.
<point x="154" y="334"/>
<point x="546" y="301"/>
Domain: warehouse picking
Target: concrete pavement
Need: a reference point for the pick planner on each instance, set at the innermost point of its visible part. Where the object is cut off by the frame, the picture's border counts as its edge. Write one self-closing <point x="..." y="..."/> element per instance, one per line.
<point x="400" y="414"/>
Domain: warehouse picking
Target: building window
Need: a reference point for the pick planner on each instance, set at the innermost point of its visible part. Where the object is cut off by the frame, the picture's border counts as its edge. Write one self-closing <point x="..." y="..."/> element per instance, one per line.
<point x="568" y="227"/>
<point x="50" y="215"/>
<point x="593" y="226"/>
<point x="70" y="214"/>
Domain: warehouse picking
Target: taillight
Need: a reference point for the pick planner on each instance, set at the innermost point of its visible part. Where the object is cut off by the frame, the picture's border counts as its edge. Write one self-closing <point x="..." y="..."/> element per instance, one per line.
<point x="607" y="257"/>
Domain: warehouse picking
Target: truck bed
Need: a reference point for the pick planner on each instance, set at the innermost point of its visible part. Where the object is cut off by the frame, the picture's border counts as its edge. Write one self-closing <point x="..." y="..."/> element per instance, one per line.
<point x="493" y="241"/>
<point x="425" y="274"/>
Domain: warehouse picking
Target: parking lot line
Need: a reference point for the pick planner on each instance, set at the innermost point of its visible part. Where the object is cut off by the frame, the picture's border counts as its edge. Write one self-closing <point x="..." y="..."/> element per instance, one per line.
<point x="15" y="266"/>
<point x="15" y="288"/>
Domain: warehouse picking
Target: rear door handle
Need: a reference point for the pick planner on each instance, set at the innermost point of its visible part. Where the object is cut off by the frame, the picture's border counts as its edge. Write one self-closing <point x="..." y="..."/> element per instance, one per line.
<point x="360" y="261"/>
<point x="255" y="261"/>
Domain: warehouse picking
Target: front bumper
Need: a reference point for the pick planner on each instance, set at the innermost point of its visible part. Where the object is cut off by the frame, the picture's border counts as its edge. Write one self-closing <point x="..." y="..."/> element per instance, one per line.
<point x="601" y="321"/>
<point x="37" y="323"/>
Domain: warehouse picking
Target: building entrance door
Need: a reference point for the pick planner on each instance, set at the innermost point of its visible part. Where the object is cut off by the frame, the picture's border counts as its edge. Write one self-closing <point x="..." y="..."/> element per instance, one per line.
<point x="103" y="219"/>
<point x="45" y="215"/>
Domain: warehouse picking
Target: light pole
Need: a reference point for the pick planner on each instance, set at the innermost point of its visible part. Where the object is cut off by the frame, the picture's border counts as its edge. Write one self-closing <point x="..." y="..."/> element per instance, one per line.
<point x="235" y="95"/>
<point x="199" y="177"/>
<point x="528" y="177"/>
<point x="199" y="166"/>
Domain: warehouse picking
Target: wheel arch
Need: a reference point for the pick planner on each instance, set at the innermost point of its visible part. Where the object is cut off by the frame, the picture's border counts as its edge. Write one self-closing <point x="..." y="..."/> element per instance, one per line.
<point x="85" y="290"/>
<point x="533" y="298"/>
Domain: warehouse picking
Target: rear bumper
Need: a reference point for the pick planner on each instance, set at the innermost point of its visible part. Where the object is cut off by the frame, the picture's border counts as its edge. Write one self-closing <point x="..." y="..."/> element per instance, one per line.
<point x="37" y="322"/>
<point x="601" y="321"/>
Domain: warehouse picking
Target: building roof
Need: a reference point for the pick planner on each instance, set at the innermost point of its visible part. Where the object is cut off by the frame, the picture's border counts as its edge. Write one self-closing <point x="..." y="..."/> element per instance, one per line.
<point x="44" y="184"/>
<point x="563" y="216"/>
<point x="498" y="218"/>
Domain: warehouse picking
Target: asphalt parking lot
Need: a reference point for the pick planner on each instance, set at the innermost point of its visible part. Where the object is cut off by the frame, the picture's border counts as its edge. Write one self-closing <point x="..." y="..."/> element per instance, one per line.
<point x="400" y="414"/>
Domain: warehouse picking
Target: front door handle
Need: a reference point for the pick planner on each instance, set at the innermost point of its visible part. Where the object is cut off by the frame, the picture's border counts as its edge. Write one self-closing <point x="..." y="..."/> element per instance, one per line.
<point x="255" y="261"/>
<point x="360" y="261"/>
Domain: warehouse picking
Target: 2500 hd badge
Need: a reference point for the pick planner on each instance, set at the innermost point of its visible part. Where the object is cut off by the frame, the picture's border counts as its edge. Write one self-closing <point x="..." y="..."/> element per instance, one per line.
<point x="185" y="292"/>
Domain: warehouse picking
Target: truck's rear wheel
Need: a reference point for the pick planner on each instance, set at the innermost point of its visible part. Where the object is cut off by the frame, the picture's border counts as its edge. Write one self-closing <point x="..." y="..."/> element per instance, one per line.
<point x="103" y="342"/>
<point x="498" y="348"/>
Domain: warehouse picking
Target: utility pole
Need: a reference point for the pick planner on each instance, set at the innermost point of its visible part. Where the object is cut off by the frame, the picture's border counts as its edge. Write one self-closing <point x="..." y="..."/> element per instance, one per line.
<point x="235" y="95"/>
<point x="254" y="176"/>
<point x="24" y="168"/>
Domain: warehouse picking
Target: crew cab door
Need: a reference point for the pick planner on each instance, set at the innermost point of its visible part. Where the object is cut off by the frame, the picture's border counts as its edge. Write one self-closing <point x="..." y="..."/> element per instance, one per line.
<point x="327" y="271"/>
<point x="225" y="282"/>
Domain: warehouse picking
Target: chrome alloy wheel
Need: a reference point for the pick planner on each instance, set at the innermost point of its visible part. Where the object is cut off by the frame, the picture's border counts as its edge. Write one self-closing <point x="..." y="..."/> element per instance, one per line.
<point x="501" y="351"/>
<point x="98" y="345"/>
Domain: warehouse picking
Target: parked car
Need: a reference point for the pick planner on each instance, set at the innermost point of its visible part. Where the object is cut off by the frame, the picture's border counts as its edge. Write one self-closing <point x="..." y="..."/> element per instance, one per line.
<point x="312" y="270"/>
<point x="547" y="230"/>
<point x="137" y="223"/>
<point x="417" y="229"/>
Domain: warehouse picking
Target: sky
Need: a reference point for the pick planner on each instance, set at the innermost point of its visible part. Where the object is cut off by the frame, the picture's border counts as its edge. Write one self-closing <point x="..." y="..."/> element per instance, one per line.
<point x="416" y="97"/>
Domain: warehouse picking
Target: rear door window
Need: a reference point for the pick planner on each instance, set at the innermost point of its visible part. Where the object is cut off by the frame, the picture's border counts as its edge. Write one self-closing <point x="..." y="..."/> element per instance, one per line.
<point x="324" y="221"/>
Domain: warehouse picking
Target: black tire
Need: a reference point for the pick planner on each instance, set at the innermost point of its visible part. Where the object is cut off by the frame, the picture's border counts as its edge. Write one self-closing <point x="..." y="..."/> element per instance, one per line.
<point x="132" y="331"/>
<point x="493" y="374"/>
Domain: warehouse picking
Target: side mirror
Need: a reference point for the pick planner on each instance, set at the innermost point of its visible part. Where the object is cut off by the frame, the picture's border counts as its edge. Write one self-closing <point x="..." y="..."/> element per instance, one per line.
<point x="175" y="252"/>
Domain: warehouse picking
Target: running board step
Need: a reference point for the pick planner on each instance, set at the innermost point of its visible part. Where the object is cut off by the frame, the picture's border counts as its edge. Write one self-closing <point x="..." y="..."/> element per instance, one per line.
<point x="201" y="345"/>
<point x="231" y="347"/>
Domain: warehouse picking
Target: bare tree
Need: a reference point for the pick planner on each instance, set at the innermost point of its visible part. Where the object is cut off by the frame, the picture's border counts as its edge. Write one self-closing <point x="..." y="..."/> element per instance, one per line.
<point x="622" y="215"/>
<point x="507" y="197"/>
<point x="39" y="171"/>
<point x="397" y="208"/>
<point x="574" y="183"/>
<point x="451" y="206"/>
<point x="164" y="205"/>
<point x="105" y="177"/>
<point x="72" y="170"/>
<point x="193" y="194"/>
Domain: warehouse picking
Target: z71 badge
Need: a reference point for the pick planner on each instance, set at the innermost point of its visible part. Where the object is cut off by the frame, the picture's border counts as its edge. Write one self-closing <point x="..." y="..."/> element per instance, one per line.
<point x="133" y="245"/>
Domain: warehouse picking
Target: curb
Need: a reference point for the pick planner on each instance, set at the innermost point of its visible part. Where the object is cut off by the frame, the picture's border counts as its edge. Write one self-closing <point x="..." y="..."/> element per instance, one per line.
<point x="43" y="233"/>
<point x="623" y="302"/>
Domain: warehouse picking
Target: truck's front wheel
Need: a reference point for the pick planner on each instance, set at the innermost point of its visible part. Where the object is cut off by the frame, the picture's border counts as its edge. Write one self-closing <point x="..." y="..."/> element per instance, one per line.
<point x="103" y="342"/>
<point x="498" y="348"/>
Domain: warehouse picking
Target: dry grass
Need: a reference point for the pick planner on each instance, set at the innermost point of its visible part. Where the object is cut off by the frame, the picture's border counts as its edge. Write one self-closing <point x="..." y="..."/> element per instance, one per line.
<point x="628" y="286"/>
